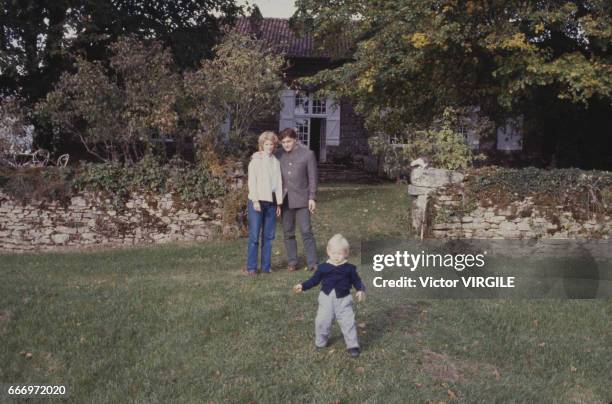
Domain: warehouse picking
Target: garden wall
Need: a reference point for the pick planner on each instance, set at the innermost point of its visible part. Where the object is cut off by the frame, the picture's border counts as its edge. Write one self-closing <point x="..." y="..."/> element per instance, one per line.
<point x="90" y="219"/>
<point x="522" y="219"/>
<point x="512" y="204"/>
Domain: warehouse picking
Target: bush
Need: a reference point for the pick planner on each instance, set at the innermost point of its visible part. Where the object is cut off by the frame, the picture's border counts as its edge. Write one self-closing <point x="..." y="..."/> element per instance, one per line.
<point x="117" y="110"/>
<point x="441" y="143"/>
<point x="192" y="184"/>
<point x="584" y="193"/>
<point x="37" y="184"/>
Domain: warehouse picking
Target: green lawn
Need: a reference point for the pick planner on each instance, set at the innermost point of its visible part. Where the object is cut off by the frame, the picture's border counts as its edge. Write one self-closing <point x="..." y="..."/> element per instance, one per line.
<point x="179" y="323"/>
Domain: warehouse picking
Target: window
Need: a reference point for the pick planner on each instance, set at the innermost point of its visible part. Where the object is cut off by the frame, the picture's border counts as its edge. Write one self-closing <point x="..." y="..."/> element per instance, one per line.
<point x="319" y="107"/>
<point x="465" y="129"/>
<point x="303" y="130"/>
<point x="308" y="104"/>
<point x="302" y="103"/>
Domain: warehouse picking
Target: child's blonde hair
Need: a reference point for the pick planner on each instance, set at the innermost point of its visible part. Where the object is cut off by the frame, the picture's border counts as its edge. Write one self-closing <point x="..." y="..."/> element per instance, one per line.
<point x="338" y="241"/>
<point x="267" y="136"/>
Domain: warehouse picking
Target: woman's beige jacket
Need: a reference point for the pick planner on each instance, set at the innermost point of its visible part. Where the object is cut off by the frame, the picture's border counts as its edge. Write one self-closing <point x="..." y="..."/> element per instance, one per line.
<point x="265" y="178"/>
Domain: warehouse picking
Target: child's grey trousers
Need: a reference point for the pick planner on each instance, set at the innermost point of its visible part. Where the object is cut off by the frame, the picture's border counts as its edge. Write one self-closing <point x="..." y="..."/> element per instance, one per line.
<point x="330" y="308"/>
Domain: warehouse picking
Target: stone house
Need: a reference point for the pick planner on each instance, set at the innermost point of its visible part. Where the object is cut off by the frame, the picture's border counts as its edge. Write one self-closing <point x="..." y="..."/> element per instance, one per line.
<point x="330" y="127"/>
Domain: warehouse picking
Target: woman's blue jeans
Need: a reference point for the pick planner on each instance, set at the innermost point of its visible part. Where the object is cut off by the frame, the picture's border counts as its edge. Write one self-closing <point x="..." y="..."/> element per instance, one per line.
<point x="263" y="223"/>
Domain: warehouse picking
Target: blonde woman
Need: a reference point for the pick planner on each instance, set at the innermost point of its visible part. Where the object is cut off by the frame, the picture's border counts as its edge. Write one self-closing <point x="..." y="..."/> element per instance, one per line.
<point x="263" y="206"/>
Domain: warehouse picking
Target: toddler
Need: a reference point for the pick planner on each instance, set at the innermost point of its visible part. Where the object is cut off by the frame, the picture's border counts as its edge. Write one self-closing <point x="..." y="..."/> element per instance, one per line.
<point x="336" y="276"/>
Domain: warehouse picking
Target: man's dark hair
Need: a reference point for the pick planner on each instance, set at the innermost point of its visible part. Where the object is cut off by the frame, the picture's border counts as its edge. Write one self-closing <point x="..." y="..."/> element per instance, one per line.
<point x="287" y="132"/>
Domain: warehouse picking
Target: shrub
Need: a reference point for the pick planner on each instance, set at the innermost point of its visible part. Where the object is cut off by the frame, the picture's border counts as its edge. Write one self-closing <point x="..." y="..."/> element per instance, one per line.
<point x="441" y="143"/>
<point x="191" y="183"/>
<point x="116" y="181"/>
<point x="52" y="184"/>
<point x="241" y="84"/>
<point x="116" y="111"/>
<point x="581" y="192"/>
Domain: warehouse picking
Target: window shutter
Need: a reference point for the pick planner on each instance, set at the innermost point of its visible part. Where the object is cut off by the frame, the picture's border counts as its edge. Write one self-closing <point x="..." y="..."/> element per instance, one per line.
<point x="332" y="126"/>
<point x="287" y="113"/>
<point x="510" y="136"/>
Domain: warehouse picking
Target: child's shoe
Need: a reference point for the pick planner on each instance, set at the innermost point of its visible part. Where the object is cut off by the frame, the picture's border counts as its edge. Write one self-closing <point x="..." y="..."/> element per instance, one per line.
<point x="353" y="352"/>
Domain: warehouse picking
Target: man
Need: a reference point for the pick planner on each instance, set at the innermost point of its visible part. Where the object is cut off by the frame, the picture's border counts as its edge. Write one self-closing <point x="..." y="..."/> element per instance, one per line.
<point x="299" y="175"/>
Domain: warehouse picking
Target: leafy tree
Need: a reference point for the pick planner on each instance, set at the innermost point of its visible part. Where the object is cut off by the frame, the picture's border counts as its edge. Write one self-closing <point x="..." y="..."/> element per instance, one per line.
<point x="240" y="85"/>
<point x="415" y="58"/>
<point x="37" y="37"/>
<point x="116" y="111"/>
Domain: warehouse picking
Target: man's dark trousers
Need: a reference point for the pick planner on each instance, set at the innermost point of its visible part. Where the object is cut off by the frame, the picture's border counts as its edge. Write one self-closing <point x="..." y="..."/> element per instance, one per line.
<point x="302" y="216"/>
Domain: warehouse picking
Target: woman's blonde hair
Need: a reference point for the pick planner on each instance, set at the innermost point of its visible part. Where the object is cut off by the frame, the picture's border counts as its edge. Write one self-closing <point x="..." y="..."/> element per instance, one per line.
<point x="267" y="136"/>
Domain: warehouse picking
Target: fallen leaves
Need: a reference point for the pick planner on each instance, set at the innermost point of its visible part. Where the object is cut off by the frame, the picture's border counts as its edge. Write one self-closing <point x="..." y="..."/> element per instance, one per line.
<point x="27" y="355"/>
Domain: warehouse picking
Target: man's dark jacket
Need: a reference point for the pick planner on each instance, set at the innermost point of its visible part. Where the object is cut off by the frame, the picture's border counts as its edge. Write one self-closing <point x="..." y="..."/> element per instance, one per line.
<point x="299" y="172"/>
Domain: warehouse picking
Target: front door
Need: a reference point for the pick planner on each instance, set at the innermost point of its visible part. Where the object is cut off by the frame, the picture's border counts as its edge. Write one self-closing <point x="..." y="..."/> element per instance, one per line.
<point x="311" y="133"/>
<point x="317" y="134"/>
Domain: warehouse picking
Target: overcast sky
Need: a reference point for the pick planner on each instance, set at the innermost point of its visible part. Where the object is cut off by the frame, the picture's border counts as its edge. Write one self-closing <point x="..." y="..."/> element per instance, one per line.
<point x="275" y="8"/>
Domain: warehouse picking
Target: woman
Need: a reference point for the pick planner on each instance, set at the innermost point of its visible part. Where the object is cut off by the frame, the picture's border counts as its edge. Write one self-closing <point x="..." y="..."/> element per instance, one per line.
<point x="265" y="198"/>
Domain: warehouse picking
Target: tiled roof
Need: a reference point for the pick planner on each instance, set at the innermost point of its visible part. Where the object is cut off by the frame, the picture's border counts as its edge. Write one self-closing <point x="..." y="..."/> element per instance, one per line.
<point x="276" y="33"/>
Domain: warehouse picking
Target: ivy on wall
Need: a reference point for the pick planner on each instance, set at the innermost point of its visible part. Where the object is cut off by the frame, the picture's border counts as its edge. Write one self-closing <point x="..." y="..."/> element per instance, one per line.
<point x="191" y="183"/>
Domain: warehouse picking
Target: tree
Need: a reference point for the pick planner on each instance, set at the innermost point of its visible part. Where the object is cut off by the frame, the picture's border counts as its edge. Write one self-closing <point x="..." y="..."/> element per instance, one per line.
<point x="116" y="111"/>
<point x="38" y="37"/>
<point x="415" y="58"/>
<point x="240" y="86"/>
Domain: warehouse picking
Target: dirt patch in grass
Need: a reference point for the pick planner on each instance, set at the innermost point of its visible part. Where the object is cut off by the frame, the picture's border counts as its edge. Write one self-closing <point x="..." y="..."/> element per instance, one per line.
<point x="405" y="312"/>
<point x="583" y="395"/>
<point x="445" y="368"/>
<point x="47" y="362"/>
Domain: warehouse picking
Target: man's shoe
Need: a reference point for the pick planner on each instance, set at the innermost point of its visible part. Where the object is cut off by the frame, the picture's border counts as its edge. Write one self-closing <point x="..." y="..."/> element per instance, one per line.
<point x="353" y="352"/>
<point x="249" y="273"/>
<point x="320" y="348"/>
<point x="291" y="268"/>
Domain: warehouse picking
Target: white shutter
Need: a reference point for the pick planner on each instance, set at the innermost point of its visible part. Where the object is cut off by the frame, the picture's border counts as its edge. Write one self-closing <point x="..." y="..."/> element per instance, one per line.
<point x="332" y="126"/>
<point x="472" y="140"/>
<point x="510" y="136"/>
<point x="287" y="113"/>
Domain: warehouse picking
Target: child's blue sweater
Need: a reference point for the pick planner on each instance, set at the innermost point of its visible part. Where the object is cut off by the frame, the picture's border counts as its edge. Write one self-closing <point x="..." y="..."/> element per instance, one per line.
<point x="339" y="278"/>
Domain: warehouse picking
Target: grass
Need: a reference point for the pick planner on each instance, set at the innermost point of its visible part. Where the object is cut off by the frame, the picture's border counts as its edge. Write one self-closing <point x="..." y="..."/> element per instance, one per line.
<point x="179" y="323"/>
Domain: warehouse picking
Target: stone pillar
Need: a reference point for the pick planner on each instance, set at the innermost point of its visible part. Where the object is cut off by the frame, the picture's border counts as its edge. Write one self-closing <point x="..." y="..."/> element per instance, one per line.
<point x="423" y="181"/>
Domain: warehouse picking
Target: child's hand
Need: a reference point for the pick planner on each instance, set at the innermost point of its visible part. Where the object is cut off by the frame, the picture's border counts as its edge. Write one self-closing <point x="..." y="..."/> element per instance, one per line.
<point x="297" y="288"/>
<point x="361" y="296"/>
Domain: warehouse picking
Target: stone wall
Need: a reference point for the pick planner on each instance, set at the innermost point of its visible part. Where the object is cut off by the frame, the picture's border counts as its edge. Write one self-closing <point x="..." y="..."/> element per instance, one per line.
<point x="519" y="220"/>
<point x="440" y="210"/>
<point x="91" y="220"/>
